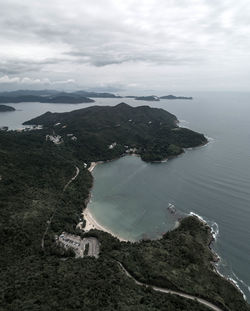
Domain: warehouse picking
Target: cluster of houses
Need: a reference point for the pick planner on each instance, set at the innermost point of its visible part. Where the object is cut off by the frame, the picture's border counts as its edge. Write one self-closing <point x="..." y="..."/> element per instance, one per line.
<point x="56" y="139"/>
<point x="24" y="129"/>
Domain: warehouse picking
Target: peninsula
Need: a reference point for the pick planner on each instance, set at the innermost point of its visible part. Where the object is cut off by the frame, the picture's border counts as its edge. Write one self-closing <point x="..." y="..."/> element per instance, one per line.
<point x="4" y="108"/>
<point x="61" y="98"/>
<point x="45" y="187"/>
<point x="52" y="96"/>
<point x="150" y="132"/>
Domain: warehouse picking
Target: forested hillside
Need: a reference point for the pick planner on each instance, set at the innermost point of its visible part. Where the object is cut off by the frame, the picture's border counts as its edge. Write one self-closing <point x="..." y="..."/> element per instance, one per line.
<point x="33" y="173"/>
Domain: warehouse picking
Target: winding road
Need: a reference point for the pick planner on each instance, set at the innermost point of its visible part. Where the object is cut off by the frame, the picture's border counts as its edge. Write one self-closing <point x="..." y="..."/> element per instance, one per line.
<point x="208" y="304"/>
<point x="53" y="214"/>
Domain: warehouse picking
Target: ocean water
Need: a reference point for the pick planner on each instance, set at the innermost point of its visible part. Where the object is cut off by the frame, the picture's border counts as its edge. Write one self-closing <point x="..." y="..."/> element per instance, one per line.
<point x="132" y="197"/>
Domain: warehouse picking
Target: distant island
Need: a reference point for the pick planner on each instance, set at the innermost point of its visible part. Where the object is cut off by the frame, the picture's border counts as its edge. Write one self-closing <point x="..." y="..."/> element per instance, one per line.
<point x="175" y="97"/>
<point x="157" y="98"/>
<point x="148" y="98"/>
<point x="76" y="97"/>
<point x="52" y="96"/>
<point x="96" y="94"/>
<point x="61" y="98"/>
<point x="4" y="108"/>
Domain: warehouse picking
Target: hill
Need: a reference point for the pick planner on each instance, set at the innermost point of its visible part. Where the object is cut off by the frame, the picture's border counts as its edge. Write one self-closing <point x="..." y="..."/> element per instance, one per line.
<point x="55" y="92"/>
<point x="147" y="98"/>
<point x="96" y="94"/>
<point x="4" y="108"/>
<point x="175" y="97"/>
<point x="62" y="98"/>
<point x="153" y="133"/>
<point x="33" y="174"/>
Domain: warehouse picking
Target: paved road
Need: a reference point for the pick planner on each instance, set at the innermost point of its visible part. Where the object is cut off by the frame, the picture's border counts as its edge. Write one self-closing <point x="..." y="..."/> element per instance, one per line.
<point x="172" y="292"/>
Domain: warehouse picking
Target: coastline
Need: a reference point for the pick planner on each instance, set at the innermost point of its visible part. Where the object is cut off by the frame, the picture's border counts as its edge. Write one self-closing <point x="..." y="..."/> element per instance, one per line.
<point x="91" y="222"/>
<point x="216" y="258"/>
<point x="92" y="166"/>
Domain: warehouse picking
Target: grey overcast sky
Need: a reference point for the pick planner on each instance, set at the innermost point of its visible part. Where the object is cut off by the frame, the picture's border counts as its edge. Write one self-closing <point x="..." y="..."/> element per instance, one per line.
<point x="130" y="46"/>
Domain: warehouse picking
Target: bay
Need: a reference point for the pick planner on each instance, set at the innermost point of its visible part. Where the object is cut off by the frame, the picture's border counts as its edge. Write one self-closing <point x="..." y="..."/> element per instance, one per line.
<point x="132" y="197"/>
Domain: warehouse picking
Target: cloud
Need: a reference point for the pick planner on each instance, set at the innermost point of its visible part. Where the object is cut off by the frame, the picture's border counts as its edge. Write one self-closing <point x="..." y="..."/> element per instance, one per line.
<point x="27" y="80"/>
<point x="6" y="79"/>
<point x="93" y="41"/>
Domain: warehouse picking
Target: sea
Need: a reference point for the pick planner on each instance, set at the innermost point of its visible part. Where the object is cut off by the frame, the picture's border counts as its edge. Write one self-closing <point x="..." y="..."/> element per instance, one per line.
<point x="138" y="200"/>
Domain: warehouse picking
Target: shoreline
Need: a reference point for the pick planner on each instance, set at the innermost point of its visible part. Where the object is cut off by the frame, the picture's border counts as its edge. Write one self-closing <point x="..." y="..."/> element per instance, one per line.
<point x="91" y="222"/>
<point x="216" y="258"/>
<point x="92" y="166"/>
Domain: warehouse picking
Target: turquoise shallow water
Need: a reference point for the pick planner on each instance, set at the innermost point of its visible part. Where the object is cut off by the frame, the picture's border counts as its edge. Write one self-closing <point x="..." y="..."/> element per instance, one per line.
<point x="131" y="197"/>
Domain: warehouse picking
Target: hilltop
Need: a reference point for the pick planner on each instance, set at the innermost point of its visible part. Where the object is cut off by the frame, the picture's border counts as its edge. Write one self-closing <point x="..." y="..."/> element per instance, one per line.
<point x="148" y="98"/>
<point x="52" y="96"/>
<point x="151" y="132"/>
<point x="76" y="97"/>
<point x="4" y="108"/>
<point x="175" y="97"/>
<point x="60" y="98"/>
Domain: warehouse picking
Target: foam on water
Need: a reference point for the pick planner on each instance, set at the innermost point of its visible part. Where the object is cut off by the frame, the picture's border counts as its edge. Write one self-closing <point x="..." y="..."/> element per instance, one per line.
<point x="183" y="123"/>
<point x="230" y="276"/>
<point x="242" y="282"/>
<point x="215" y="230"/>
<point x="210" y="140"/>
<point x="212" y="224"/>
<point x="198" y="216"/>
<point x="237" y="285"/>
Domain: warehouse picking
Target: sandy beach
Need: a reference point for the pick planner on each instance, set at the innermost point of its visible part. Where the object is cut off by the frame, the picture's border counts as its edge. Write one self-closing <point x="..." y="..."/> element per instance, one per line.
<point x="92" y="166"/>
<point x="91" y="222"/>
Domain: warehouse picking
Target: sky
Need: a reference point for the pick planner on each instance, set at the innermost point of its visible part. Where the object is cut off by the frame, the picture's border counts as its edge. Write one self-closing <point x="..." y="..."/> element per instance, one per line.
<point x="125" y="46"/>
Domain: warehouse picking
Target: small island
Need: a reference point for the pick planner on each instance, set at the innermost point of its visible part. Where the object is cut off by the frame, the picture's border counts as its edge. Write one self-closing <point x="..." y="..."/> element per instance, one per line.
<point x="96" y="94"/>
<point x="157" y="98"/>
<point x="175" y="97"/>
<point x="5" y="108"/>
<point x="148" y="98"/>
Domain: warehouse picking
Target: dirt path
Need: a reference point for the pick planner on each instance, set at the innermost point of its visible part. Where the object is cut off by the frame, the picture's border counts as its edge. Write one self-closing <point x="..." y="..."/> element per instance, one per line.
<point x="208" y="304"/>
<point x="53" y="214"/>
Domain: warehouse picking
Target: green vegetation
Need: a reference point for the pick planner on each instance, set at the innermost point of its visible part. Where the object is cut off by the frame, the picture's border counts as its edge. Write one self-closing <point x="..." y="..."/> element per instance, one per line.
<point x="151" y="131"/>
<point x="61" y="98"/>
<point x="29" y="95"/>
<point x="181" y="260"/>
<point x="175" y="97"/>
<point x="4" y="108"/>
<point x="148" y="98"/>
<point x="33" y="173"/>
